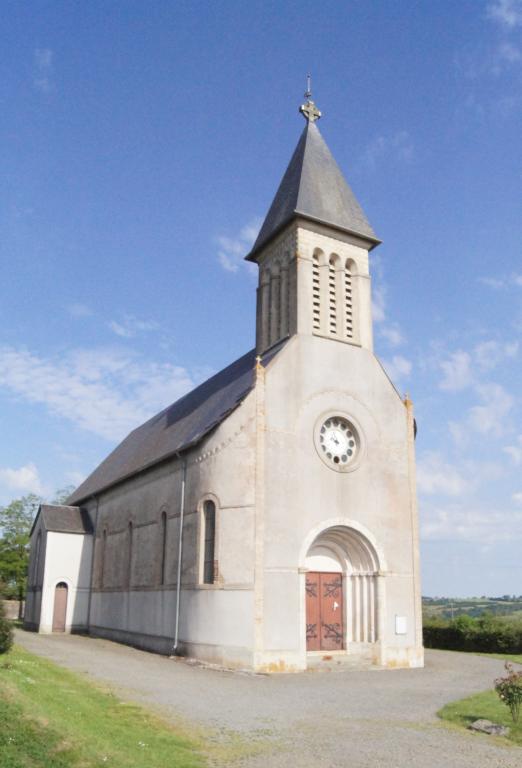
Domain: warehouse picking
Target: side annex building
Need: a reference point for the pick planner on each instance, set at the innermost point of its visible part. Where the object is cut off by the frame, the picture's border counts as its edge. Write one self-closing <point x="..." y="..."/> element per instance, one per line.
<point x="267" y="519"/>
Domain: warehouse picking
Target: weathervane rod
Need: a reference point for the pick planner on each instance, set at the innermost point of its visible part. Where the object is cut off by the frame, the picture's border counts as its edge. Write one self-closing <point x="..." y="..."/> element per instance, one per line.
<point x="308" y="86"/>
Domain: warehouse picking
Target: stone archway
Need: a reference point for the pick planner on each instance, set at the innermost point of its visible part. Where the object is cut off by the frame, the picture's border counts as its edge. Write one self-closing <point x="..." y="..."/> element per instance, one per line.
<point x="343" y="590"/>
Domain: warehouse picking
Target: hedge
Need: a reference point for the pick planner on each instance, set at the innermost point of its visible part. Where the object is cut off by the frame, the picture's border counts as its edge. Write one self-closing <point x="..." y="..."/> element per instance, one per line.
<point x="485" y="634"/>
<point x="6" y="633"/>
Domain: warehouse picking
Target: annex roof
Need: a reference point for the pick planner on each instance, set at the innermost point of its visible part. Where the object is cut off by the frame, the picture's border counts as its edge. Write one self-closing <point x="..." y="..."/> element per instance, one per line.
<point x="62" y="518"/>
<point x="178" y="427"/>
<point x="313" y="187"/>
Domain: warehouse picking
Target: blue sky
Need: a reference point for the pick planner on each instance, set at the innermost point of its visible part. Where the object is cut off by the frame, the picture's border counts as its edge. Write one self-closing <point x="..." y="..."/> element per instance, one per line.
<point x="141" y="147"/>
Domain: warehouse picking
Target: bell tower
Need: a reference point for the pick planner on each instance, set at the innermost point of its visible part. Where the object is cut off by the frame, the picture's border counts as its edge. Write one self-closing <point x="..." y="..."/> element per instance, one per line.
<point x="312" y="251"/>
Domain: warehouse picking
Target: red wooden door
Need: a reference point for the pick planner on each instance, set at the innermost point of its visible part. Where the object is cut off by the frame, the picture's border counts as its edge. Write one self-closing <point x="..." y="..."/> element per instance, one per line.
<point x="324" y="612"/>
<point x="60" y="607"/>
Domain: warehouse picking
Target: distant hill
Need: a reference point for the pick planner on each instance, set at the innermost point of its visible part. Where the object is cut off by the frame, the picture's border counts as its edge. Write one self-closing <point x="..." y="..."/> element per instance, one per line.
<point x="451" y="607"/>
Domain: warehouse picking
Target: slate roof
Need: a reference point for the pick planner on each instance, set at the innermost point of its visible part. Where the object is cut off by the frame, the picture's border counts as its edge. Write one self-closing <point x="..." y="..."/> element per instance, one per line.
<point x="178" y="427"/>
<point x="313" y="187"/>
<point x="61" y="518"/>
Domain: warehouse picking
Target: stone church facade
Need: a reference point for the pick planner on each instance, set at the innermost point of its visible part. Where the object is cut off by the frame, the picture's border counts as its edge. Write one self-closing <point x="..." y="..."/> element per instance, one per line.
<point x="267" y="519"/>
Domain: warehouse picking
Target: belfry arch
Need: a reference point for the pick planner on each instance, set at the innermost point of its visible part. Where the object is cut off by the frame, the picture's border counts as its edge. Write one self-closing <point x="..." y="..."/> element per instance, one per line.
<point x="343" y="567"/>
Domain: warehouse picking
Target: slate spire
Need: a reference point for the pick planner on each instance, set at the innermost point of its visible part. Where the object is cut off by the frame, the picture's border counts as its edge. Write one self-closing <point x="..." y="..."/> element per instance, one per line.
<point x="313" y="188"/>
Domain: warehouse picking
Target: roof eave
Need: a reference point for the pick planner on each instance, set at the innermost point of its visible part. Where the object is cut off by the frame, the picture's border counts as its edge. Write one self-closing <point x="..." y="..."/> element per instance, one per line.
<point x="185" y="448"/>
<point x="36" y="518"/>
<point x="372" y="241"/>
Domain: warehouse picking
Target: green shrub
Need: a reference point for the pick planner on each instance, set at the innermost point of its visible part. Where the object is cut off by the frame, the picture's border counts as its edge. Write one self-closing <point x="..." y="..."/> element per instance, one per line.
<point x="6" y="633"/>
<point x="486" y="634"/>
<point x="509" y="689"/>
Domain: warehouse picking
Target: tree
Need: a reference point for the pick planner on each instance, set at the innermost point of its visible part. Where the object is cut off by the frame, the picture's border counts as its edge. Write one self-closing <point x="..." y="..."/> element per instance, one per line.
<point x="61" y="496"/>
<point x="16" y="520"/>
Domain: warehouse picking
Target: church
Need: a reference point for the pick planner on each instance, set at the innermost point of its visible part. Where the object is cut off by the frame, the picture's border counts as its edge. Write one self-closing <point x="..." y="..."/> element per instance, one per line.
<point x="267" y="520"/>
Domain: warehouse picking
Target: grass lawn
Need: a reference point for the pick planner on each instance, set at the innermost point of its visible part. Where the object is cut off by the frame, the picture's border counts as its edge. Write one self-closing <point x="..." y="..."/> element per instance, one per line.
<point x="50" y="717"/>
<point x="485" y="705"/>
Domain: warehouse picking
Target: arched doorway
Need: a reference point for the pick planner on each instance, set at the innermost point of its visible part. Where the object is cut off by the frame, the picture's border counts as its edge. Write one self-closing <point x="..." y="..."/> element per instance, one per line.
<point x="60" y="607"/>
<point x="341" y="590"/>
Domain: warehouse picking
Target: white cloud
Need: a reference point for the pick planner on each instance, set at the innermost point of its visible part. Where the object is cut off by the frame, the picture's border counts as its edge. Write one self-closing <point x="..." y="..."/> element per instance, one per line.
<point x="23" y="480"/>
<point x="456" y="521"/>
<point x="437" y="476"/>
<point x="488" y="354"/>
<point x="393" y="334"/>
<point x="517" y="497"/>
<point x="504" y="281"/>
<point x="459" y="432"/>
<point x="129" y="326"/>
<point x="79" y="310"/>
<point x="74" y="477"/>
<point x="379" y="304"/>
<point x="490" y="418"/>
<point x="492" y="282"/>
<point x="515" y="452"/>
<point x="509" y="52"/>
<point x="457" y="371"/>
<point x="398" y="145"/>
<point x="398" y="367"/>
<point x="43" y="67"/>
<point x="507" y="13"/>
<point x="107" y="392"/>
<point x="462" y="369"/>
<point x="388" y="330"/>
<point x="232" y="250"/>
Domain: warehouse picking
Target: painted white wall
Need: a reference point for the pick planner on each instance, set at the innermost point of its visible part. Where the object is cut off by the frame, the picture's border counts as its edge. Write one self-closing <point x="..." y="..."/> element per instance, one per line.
<point x="68" y="558"/>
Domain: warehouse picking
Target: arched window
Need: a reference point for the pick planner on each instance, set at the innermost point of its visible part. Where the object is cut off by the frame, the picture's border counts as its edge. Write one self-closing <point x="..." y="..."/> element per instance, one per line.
<point x="129" y="555"/>
<point x="163" y="545"/>
<point x="284" y="291"/>
<point x="275" y="304"/>
<point x="264" y="287"/>
<point x="103" y="556"/>
<point x="316" y="293"/>
<point x="209" y="541"/>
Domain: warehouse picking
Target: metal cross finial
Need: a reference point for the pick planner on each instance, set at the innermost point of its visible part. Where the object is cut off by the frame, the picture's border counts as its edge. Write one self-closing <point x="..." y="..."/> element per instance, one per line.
<point x="309" y="110"/>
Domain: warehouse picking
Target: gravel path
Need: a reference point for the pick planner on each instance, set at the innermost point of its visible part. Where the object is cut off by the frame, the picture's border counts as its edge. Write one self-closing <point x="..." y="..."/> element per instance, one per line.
<point x="323" y="719"/>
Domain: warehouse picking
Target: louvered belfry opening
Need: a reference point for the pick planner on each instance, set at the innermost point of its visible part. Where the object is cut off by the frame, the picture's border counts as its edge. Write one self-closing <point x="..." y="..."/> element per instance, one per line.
<point x="348" y="300"/>
<point x="316" y="293"/>
<point x="332" y="298"/>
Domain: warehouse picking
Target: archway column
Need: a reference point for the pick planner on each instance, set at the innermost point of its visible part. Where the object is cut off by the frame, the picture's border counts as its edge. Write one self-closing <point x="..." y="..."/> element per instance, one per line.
<point x="381" y="614"/>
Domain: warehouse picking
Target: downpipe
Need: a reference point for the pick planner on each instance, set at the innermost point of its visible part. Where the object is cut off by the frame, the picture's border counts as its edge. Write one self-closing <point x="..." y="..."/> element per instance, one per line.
<point x="180" y="556"/>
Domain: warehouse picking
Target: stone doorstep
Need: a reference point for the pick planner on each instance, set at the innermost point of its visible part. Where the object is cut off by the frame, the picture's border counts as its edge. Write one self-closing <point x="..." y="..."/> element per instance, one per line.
<point x="324" y="660"/>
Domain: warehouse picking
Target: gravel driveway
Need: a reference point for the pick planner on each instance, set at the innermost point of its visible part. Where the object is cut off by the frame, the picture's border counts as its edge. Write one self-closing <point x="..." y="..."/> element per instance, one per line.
<point x="323" y="719"/>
